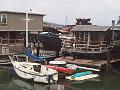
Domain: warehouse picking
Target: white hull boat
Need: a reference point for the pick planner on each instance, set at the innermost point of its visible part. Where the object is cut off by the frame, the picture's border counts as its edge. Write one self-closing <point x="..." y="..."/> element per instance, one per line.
<point x="34" y="71"/>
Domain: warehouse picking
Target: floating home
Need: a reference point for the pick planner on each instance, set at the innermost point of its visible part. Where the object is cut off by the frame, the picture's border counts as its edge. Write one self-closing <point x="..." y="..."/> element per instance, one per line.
<point x="12" y="30"/>
<point x="91" y="40"/>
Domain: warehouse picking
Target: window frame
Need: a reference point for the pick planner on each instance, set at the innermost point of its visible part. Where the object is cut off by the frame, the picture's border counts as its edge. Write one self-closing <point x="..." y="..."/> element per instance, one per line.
<point x="1" y="17"/>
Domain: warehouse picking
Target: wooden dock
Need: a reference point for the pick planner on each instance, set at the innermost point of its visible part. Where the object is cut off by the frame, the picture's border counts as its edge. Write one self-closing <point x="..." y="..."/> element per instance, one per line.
<point x="98" y="64"/>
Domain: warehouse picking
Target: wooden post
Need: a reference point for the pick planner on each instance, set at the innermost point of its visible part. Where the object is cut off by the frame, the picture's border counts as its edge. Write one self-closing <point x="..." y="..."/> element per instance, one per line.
<point x="88" y="41"/>
<point x="109" y="58"/>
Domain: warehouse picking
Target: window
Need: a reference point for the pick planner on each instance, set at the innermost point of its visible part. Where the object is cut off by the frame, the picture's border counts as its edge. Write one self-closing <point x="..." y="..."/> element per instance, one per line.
<point x="81" y="36"/>
<point x="3" y="18"/>
<point x="95" y="36"/>
<point x="85" y="36"/>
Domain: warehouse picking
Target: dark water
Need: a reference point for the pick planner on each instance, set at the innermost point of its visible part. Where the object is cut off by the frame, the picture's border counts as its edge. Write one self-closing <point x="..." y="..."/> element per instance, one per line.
<point x="106" y="82"/>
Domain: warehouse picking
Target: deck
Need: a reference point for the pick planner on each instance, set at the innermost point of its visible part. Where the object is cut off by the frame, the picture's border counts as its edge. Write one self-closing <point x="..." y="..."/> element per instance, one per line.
<point x="87" y="62"/>
<point x="82" y="47"/>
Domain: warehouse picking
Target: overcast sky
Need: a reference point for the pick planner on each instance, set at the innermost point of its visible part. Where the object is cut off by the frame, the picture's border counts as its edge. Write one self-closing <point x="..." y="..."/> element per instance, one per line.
<point x="101" y="12"/>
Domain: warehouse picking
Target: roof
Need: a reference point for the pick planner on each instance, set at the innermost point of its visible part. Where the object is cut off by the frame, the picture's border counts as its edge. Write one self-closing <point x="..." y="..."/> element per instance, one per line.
<point x="53" y="25"/>
<point x="17" y="12"/>
<point x="64" y="30"/>
<point x="90" y="28"/>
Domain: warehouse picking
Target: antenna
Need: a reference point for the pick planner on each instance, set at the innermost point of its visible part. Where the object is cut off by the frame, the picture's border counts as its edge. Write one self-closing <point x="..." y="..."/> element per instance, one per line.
<point x="66" y="20"/>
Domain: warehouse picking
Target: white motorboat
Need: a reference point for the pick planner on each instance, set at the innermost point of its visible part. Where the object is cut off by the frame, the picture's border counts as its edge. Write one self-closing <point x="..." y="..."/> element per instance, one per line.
<point x="33" y="71"/>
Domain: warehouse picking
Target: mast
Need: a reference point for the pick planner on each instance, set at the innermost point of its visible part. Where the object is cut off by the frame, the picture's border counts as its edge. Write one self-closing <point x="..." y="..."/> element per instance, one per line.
<point x="27" y="21"/>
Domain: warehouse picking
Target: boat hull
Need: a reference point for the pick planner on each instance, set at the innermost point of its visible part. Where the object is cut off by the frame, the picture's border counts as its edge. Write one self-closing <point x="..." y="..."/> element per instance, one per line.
<point x="36" y="77"/>
<point x="61" y="69"/>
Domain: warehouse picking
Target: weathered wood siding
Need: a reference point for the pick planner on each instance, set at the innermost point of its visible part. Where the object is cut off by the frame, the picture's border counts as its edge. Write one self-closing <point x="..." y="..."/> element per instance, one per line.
<point x="15" y="22"/>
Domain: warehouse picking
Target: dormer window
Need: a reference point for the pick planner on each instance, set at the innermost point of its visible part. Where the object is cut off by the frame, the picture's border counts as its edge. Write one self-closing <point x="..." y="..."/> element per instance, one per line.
<point x="3" y="18"/>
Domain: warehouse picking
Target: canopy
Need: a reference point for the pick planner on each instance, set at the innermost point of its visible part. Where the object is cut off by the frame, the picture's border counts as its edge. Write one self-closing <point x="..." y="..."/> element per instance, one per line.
<point x="34" y="57"/>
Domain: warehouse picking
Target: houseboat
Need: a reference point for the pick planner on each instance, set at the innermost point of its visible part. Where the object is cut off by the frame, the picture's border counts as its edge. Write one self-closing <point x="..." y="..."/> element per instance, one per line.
<point x="12" y="30"/>
<point x="92" y="40"/>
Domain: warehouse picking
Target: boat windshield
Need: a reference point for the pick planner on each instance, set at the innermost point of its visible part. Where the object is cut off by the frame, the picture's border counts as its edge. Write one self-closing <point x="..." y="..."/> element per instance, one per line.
<point x="37" y="68"/>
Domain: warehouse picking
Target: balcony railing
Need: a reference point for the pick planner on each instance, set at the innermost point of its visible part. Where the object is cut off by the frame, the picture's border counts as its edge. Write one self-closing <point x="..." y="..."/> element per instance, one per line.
<point x="83" y="46"/>
<point x="12" y="41"/>
<point x="116" y="42"/>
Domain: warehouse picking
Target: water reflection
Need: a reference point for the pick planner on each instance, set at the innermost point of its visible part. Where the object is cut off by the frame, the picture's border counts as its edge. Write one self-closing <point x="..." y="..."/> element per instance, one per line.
<point x="5" y="78"/>
<point x="24" y="85"/>
<point x="9" y="82"/>
<point x="106" y="82"/>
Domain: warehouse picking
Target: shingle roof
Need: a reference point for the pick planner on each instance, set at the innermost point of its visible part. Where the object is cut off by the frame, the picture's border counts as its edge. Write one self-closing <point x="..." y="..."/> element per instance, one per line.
<point x="90" y="28"/>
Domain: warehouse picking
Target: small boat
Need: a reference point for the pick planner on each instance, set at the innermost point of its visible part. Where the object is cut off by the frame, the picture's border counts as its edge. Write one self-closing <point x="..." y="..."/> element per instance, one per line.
<point x="61" y="69"/>
<point x="81" y="78"/>
<point x="33" y="71"/>
<point x="58" y="63"/>
<point x="81" y="67"/>
<point x="60" y="66"/>
<point x="80" y="74"/>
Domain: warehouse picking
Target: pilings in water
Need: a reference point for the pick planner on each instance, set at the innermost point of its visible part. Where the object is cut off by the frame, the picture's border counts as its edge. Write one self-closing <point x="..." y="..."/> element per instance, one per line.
<point x="108" y="65"/>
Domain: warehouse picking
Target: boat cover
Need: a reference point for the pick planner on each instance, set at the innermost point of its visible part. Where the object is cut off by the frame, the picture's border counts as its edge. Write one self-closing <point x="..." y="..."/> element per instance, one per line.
<point x="34" y="57"/>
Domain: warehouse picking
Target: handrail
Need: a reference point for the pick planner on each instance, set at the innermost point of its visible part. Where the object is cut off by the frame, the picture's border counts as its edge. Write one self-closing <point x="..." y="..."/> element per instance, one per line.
<point x="82" y="45"/>
<point x="11" y="41"/>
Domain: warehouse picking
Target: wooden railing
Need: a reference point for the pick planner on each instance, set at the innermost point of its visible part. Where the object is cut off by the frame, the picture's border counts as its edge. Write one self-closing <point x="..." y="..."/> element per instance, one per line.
<point x="12" y="41"/>
<point x="83" y="46"/>
<point x="116" y="42"/>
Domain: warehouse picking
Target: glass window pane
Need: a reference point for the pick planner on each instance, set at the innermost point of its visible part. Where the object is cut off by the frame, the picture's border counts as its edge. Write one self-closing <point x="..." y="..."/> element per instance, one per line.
<point x="4" y="18"/>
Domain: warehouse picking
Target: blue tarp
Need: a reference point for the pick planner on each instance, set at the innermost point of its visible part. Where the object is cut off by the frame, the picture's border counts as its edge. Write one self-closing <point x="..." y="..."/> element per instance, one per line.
<point x="34" y="57"/>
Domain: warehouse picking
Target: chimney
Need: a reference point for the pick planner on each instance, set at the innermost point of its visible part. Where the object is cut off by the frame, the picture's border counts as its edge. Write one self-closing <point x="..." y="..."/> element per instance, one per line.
<point x="113" y="24"/>
<point x="119" y="17"/>
<point x="118" y="23"/>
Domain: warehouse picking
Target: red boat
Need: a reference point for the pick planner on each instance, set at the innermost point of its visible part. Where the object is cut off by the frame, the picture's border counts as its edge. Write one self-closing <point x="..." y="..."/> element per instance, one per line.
<point x="61" y="69"/>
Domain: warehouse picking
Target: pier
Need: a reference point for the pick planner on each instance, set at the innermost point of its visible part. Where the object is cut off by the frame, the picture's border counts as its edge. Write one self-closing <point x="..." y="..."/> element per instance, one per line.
<point x="90" y="63"/>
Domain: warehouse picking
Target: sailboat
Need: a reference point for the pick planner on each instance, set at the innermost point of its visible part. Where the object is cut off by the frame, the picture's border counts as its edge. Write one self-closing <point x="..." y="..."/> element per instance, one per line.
<point x="32" y="71"/>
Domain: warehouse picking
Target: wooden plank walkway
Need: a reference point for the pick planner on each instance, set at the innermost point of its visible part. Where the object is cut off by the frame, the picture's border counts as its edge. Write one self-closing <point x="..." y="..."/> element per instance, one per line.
<point x="86" y="62"/>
